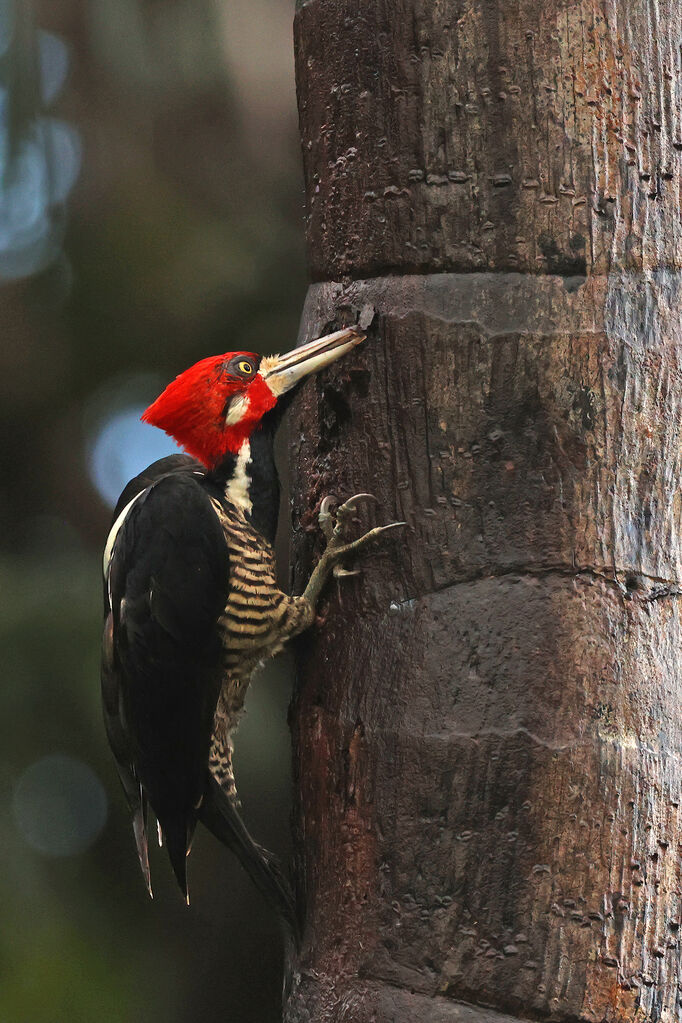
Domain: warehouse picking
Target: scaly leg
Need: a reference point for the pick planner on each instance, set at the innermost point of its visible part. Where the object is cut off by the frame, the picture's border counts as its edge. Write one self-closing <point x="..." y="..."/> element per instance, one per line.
<point x="337" y="546"/>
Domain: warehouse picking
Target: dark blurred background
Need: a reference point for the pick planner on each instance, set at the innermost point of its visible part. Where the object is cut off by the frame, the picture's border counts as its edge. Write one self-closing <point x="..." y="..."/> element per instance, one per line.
<point x="150" y="215"/>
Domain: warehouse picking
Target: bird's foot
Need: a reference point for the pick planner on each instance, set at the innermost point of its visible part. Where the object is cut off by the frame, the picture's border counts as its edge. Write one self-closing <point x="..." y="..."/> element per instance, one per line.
<point x="336" y="521"/>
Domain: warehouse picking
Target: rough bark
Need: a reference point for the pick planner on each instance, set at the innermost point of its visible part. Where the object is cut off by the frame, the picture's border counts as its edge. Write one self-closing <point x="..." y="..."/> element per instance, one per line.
<point x="487" y="728"/>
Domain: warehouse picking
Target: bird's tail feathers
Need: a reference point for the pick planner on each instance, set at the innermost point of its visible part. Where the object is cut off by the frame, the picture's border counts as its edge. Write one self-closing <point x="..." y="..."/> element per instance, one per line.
<point x="175" y="834"/>
<point x="140" y="832"/>
<point x="220" y="816"/>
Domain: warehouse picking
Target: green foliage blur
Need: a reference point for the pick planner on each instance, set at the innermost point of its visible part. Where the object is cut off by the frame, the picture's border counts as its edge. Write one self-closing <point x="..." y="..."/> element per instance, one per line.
<point x="183" y="238"/>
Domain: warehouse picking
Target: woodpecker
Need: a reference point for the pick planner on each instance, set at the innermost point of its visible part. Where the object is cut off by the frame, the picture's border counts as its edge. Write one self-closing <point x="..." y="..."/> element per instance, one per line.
<point x="191" y="603"/>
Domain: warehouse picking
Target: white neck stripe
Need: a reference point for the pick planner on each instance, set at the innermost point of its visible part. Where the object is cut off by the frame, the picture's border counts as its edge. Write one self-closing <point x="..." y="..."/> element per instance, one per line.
<point x="238" y="486"/>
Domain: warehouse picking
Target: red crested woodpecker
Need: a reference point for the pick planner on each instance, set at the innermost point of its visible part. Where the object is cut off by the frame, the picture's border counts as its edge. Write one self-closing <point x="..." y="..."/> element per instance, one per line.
<point x="191" y="600"/>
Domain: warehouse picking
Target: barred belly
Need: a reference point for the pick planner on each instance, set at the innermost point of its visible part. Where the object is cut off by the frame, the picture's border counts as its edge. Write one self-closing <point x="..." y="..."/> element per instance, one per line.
<point x="257" y="621"/>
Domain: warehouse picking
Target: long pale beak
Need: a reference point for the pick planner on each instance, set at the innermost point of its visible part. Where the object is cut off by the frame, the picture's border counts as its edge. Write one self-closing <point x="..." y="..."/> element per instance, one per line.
<point x="282" y="372"/>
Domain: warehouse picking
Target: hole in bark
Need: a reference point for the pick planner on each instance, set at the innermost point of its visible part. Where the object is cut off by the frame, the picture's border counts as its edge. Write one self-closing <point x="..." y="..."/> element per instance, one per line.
<point x="632" y="583"/>
<point x="338" y="403"/>
<point x="335" y="413"/>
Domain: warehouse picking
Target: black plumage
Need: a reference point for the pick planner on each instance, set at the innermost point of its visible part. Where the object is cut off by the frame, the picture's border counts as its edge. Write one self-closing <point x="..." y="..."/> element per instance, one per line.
<point x="167" y="651"/>
<point x="184" y="628"/>
<point x="164" y="676"/>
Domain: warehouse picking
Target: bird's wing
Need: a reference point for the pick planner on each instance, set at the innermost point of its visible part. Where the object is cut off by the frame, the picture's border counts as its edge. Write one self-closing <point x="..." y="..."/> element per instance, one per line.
<point x="167" y="584"/>
<point x="120" y="746"/>
<point x="170" y="465"/>
<point x="111" y="696"/>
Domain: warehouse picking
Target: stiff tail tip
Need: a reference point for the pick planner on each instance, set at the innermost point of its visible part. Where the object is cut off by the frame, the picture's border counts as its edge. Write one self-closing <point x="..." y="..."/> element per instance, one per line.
<point x="175" y="833"/>
<point x="140" y="832"/>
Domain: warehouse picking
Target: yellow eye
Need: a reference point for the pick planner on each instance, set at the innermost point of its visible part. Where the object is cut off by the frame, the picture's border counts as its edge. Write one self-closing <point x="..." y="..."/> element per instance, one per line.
<point x="245" y="367"/>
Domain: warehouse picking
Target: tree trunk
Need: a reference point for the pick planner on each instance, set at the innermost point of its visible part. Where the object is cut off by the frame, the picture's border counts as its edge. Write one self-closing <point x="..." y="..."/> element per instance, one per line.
<point x="487" y="727"/>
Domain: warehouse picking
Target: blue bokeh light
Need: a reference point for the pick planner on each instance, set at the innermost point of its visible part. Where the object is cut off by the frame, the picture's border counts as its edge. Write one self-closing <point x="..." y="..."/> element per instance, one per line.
<point x="54" y="65"/>
<point x="40" y="156"/>
<point x="122" y="448"/>
<point x="60" y="806"/>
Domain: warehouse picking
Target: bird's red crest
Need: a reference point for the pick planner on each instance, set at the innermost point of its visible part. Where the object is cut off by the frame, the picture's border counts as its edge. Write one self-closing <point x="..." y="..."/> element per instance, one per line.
<point x="195" y="409"/>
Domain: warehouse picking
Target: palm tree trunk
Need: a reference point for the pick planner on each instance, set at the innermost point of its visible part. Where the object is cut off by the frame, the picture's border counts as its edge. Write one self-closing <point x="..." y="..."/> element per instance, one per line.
<point x="487" y="728"/>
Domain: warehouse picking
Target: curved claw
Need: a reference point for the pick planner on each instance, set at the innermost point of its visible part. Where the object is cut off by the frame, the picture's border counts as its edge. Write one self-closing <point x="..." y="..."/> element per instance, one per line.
<point x="359" y="497"/>
<point x="362" y="541"/>
<point x="328" y="504"/>
<point x="345" y="514"/>
<point x="351" y="504"/>
<point x="325" y="516"/>
<point x="334" y="517"/>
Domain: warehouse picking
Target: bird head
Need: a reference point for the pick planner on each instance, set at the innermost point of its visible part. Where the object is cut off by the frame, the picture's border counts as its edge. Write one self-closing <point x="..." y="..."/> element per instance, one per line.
<point x="215" y="405"/>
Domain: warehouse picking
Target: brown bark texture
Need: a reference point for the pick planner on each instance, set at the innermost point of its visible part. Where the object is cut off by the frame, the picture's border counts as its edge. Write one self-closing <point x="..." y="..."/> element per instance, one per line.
<point x="487" y="727"/>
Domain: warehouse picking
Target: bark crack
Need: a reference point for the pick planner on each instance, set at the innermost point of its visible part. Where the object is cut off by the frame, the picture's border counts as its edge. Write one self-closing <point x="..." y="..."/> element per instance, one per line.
<point x="569" y="279"/>
<point x="632" y="589"/>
